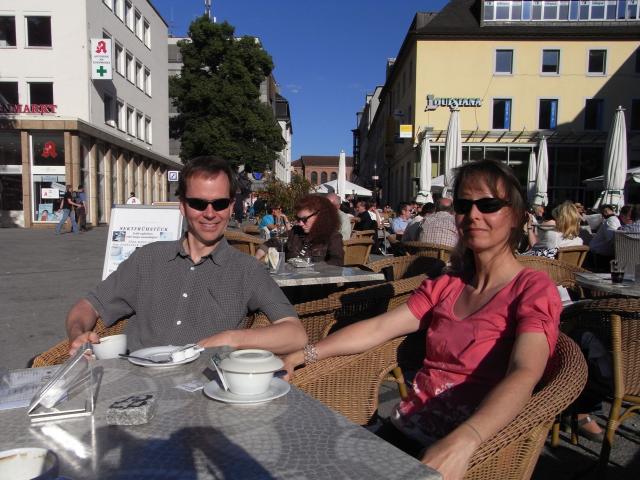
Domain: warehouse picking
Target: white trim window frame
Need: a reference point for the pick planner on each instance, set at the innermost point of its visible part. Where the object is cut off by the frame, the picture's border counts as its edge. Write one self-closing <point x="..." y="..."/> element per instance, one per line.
<point x="121" y="114"/>
<point x="602" y="73"/>
<point x="502" y="50"/>
<point x="508" y="116"/>
<point x="120" y="59"/>
<point x="542" y="64"/>
<point x="553" y="120"/>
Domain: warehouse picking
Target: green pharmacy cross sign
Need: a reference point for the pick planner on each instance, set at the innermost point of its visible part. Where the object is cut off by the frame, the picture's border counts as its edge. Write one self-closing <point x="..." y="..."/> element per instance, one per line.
<point x="101" y="71"/>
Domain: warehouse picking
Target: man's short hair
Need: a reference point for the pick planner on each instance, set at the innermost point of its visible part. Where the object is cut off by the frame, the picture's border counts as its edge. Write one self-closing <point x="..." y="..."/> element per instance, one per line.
<point x="428" y="208"/>
<point x="402" y="206"/>
<point x="207" y="166"/>
<point x="444" y="205"/>
<point x="80" y="187"/>
<point x="363" y="202"/>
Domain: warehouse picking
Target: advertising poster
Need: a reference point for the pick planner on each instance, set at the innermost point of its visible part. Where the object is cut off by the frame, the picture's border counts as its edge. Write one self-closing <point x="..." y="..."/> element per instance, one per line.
<point x="50" y="193"/>
<point x="47" y="213"/>
<point x="133" y="226"/>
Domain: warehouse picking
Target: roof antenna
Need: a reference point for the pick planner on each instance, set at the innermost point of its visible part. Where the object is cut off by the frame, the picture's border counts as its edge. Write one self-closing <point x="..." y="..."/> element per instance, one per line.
<point x="207" y="10"/>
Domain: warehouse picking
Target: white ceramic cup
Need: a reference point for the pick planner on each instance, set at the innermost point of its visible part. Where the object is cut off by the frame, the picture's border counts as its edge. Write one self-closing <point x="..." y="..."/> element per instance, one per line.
<point x="28" y="463"/>
<point x="248" y="383"/>
<point x="250" y="371"/>
<point x="110" y="347"/>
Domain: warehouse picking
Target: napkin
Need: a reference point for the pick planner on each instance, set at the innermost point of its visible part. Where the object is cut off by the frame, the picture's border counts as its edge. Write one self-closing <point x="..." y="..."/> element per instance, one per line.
<point x="274" y="258"/>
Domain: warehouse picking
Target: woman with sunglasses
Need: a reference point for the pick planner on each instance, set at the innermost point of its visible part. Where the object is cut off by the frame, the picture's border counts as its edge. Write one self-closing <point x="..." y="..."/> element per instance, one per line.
<point x="315" y="234"/>
<point x="491" y="326"/>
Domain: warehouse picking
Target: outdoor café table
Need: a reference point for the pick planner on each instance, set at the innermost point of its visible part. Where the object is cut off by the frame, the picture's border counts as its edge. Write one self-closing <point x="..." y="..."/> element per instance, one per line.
<point x="603" y="283"/>
<point x="194" y="437"/>
<point x="322" y="274"/>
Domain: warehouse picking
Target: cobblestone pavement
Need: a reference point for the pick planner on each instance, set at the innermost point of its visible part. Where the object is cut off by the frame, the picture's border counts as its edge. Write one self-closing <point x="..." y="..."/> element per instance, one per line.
<point x="43" y="274"/>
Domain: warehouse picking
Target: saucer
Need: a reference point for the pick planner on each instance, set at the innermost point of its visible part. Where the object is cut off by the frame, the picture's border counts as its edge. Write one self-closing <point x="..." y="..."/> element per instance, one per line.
<point x="277" y="388"/>
<point x="159" y="353"/>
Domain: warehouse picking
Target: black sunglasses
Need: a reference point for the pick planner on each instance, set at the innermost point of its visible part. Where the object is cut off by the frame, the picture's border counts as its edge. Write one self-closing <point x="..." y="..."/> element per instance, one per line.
<point x="201" y="205"/>
<point x="305" y="219"/>
<point x="462" y="206"/>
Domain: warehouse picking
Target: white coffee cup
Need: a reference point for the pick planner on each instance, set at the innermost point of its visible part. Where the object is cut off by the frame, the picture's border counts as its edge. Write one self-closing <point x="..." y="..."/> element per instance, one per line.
<point x="110" y="347"/>
<point x="28" y="463"/>
<point x="249" y="372"/>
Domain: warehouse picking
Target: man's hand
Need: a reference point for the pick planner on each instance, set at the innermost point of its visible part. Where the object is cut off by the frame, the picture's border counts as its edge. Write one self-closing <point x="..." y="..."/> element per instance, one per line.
<point x="91" y="337"/>
<point x="217" y="340"/>
<point x="292" y="361"/>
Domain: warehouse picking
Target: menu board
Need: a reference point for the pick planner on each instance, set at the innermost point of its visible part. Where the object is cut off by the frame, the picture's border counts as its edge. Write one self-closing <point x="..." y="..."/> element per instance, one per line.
<point x="134" y="226"/>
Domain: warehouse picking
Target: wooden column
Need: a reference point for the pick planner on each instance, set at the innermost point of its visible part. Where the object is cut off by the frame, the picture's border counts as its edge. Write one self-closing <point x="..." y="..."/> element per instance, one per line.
<point x="93" y="183"/>
<point x="148" y="184"/>
<point x="122" y="171"/>
<point x="72" y="169"/>
<point x="131" y="175"/>
<point x="140" y="177"/>
<point x="165" y="185"/>
<point x="27" y="185"/>
<point x="107" y="184"/>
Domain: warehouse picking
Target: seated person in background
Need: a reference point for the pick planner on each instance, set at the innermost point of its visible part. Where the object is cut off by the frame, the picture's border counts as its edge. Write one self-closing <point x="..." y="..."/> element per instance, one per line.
<point x="399" y="224"/>
<point x="315" y="234"/>
<point x="601" y="247"/>
<point x="634" y="226"/>
<point x="345" y="220"/>
<point x="412" y="232"/>
<point x="625" y="215"/>
<point x="365" y="222"/>
<point x="440" y="228"/>
<point x="197" y="289"/>
<point x="275" y="220"/>
<point x="562" y="230"/>
<point x="491" y="327"/>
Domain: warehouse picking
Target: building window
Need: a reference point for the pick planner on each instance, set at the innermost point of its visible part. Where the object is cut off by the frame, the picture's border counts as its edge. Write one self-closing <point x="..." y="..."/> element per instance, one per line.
<point x="551" y="62"/>
<point x="635" y="115"/>
<point x="131" y="121"/>
<point x="323" y="177"/>
<point x="314" y="178"/>
<point x="147" y="34"/>
<point x="632" y="9"/>
<point x="638" y="60"/>
<point x="122" y="115"/>
<point x="120" y="65"/>
<point x="147" y="81"/>
<point x="130" y="68"/>
<point x="119" y="9"/>
<point x="501" y="114"/>
<point x="41" y="93"/>
<point x="147" y="131"/>
<point x="9" y="93"/>
<point x="139" y="76"/>
<point x="333" y="176"/>
<point x="140" y="125"/>
<point x="108" y="3"/>
<point x="138" y="25"/>
<point x="593" y="108"/>
<point x="502" y="10"/>
<point x="548" y="114"/>
<point x="7" y="31"/>
<point x="38" y="31"/>
<point x="128" y="15"/>
<point x="109" y="117"/>
<point x="504" y="62"/>
<point x="597" y="62"/>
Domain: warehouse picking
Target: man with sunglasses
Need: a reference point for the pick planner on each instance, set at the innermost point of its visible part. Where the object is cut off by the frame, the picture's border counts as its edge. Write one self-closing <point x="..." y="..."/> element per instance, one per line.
<point x="440" y="227"/>
<point x="197" y="289"/>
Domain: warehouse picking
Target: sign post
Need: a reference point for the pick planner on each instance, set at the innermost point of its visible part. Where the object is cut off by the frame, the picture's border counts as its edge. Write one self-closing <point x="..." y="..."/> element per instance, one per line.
<point x="101" y="68"/>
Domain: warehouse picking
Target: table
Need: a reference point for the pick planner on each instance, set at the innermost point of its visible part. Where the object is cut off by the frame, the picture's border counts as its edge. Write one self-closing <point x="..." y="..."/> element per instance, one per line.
<point x="193" y="437"/>
<point x="602" y="282"/>
<point x="322" y="274"/>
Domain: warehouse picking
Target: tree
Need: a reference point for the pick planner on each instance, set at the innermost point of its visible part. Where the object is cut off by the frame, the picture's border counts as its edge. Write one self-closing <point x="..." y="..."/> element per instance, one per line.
<point x="217" y="97"/>
<point x="278" y="193"/>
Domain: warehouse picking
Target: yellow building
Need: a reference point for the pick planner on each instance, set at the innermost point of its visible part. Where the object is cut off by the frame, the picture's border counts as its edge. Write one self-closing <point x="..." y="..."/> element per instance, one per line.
<point x="517" y="71"/>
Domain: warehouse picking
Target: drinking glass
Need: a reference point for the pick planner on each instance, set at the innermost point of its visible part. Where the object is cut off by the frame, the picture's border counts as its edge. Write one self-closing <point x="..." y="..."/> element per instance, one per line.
<point x="617" y="272"/>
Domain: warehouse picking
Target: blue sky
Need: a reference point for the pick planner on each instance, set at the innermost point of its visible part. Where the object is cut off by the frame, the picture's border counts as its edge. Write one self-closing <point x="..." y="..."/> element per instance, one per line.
<point x="328" y="54"/>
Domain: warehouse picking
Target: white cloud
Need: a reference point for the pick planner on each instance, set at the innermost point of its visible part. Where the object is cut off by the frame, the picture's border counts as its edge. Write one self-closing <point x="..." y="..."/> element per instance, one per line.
<point x="293" y="88"/>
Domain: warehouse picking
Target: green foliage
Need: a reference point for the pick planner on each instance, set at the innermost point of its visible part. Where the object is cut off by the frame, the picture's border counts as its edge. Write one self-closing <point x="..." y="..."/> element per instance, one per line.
<point x="279" y="193"/>
<point x="217" y="96"/>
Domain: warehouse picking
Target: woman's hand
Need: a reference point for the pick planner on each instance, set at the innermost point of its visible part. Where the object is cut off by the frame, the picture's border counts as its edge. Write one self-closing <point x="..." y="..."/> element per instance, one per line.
<point x="291" y="361"/>
<point x="451" y="455"/>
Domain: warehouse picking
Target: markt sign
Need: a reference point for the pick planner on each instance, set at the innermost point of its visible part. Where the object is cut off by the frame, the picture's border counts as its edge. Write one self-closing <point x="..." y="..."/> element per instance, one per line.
<point x="101" y="68"/>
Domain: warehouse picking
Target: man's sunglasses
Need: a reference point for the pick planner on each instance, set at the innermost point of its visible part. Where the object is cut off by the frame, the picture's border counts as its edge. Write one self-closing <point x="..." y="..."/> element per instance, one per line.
<point x="462" y="206"/>
<point x="304" y="219"/>
<point x="201" y="205"/>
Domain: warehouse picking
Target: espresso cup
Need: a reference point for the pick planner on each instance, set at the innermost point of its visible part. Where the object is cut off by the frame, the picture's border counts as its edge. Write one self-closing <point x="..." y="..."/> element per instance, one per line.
<point x="110" y="347"/>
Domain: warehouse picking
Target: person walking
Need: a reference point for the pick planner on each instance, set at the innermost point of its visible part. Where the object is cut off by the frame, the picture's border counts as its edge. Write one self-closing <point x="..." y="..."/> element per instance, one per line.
<point x="66" y="206"/>
<point x="133" y="200"/>
<point x="81" y="209"/>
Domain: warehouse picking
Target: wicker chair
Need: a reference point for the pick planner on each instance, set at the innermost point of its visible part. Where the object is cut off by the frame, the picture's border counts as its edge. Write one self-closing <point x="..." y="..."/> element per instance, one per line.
<point x="363" y="234"/>
<point x="573" y="255"/>
<point x="396" y="268"/>
<point x="316" y="326"/>
<point x="59" y="353"/>
<point x="616" y="322"/>
<point x="627" y="248"/>
<point x="357" y="250"/>
<point x="562" y="274"/>
<point x="251" y="230"/>
<point x="242" y="241"/>
<point x="441" y="252"/>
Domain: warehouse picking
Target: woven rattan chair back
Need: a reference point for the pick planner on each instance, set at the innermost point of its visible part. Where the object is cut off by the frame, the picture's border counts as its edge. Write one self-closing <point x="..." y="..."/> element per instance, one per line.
<point x="244" y="242"/>
<point x="573" y="255"/>
<point x="357" y="250"/>
<point x="627" y="248"/>
<point x="561" y="273"/>
<point x="59" y="353"/>
<point x="251" y="230"/>
<point x="316" y="326"/>
<point x="441" y="252"/>
<point x="363" y="234"/>
<point x="397" y="268"/>
<point x="616" y="323"/>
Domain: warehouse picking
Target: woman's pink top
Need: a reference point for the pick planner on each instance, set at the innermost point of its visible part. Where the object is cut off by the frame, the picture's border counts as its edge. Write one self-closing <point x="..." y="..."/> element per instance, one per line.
<point x="466" y="358"/>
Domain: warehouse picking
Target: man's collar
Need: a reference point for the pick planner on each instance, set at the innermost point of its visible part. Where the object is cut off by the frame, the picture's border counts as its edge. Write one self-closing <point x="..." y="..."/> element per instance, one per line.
<point x="219" y="255"/>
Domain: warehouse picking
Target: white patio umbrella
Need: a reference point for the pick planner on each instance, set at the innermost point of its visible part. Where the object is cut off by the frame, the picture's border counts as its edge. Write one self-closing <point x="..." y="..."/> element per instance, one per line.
<point x="531" y="177"/>
<point x="342" y="176"/>
<point x="452" y="151"/>
<point x="542" y="176"/>
<point x="615" y="171"/>
<point x="348" y="187"/>
<point x="424" y="194"/>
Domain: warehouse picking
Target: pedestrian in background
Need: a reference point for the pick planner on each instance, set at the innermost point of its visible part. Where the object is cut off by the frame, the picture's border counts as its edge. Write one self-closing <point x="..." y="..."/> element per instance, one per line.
<point x="66" y="206"/>
<point x="81" y="209"/>
<point x="132" y="200"/>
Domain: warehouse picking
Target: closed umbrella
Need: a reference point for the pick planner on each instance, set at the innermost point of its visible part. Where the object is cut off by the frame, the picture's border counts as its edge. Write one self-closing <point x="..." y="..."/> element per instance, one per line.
<point x="615" y="171"/>
<point x="452" y="151"/>
<point x="342" y="176"/>
<point x="531" y="177"/>
<point x="424" y="195"/>
<point x="542" y="177"/>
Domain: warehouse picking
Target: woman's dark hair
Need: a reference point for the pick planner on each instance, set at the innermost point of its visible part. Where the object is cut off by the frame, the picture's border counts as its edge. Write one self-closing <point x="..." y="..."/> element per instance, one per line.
<point x="547" y="213"/>
<point x="503" y="184"/>
<point x="207" y="166"/>
<point x="327" y="221"/>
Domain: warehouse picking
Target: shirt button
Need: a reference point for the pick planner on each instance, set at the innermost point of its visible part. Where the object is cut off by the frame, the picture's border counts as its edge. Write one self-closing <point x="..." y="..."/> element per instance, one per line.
<point x="192" y="268"/>
<point x="185" y="295"/>
<point x="179" y="322"/>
